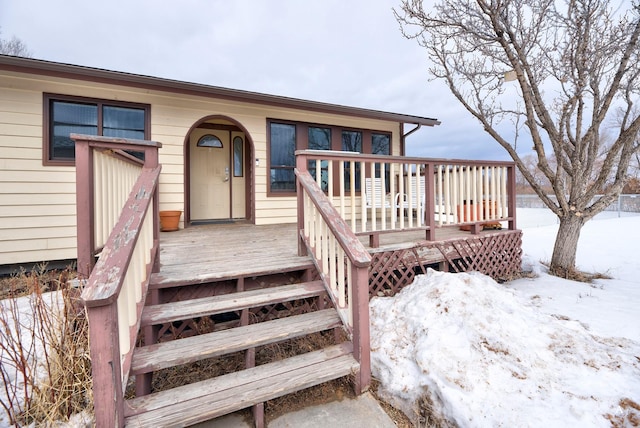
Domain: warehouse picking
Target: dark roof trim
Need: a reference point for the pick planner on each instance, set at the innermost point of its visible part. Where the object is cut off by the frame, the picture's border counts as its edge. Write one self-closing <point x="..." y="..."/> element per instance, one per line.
<point x="37" y="66"/>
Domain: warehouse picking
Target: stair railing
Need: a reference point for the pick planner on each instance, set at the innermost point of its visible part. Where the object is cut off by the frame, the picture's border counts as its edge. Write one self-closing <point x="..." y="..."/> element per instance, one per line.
<point x="343" y="263"/>
<point x="117" y="205"/>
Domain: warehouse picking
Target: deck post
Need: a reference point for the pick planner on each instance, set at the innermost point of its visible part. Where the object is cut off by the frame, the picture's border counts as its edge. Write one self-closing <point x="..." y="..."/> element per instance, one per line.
<point x="430" y="209"/>
<point x="151" y="160"/>
<point x="84" y="208"/>
<point x="150" y="333"/>
<point x="511" y="192"/>
<point x="106" y="366"/>
<point x="361" y="334"/>
<point x="301" y="165"/>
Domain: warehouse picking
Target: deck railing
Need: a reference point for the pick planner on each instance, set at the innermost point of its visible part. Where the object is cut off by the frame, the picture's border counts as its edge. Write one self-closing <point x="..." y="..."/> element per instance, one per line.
<point x="377" y="194"/>
<point x="117" y="196"/>
<point x="343" y="263"/>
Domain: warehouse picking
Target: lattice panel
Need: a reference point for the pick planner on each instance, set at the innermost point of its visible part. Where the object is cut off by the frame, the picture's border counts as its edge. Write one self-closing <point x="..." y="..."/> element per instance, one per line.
<point x="285" y="309"/>
<point x="195" y="291"/>
<point x="497" y="255"/>
<point x="192" y="327"/>
<point x="390" y="271"/>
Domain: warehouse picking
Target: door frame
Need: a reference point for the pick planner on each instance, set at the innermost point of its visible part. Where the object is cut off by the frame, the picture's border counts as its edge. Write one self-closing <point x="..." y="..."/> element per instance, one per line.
<point x="249" y="165"/>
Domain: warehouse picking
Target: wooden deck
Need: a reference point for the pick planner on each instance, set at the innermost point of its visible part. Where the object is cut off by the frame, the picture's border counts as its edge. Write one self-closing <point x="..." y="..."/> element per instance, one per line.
<point x="236" y="288"/>
<point x="214" y="252"/>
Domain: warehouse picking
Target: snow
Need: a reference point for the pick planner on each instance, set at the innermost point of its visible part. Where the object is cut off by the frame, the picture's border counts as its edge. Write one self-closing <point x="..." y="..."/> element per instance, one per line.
<point x="535" y="352"/>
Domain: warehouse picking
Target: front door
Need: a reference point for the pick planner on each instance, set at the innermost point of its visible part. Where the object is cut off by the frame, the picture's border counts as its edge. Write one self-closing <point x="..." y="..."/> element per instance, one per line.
<point x="210" y="175"/>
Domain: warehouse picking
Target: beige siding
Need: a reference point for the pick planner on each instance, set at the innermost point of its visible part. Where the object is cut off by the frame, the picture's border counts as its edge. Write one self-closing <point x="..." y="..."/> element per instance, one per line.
<point x="37" y="203"/>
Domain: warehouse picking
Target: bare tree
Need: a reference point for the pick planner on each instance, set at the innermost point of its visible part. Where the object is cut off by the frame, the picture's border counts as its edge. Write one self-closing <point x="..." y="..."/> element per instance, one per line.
<point x="633" y="185"/>
<point x="575" y="65"/>
<point x="14" y="46"/>
<point x="530" y="162"/>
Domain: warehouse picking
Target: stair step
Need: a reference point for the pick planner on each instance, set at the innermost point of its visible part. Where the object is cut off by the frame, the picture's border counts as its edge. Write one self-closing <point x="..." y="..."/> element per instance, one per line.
<point x="208" y="399"/>
<point x="169" y="312"/>
<point x="176" y="276"/>
<point x="176" y="352"/>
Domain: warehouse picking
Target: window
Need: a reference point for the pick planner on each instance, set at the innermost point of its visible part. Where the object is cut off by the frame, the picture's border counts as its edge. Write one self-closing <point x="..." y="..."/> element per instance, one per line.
<point x="67" y="115"/>
<point x="351" y="142"/>
<point x="237" y="156"/>
<point x="282" y="157"/>
<point x="209" y="141"/>
<point x="320" y="139"/>
<point x="287" y="137"/>
<point x="380" y="144"/>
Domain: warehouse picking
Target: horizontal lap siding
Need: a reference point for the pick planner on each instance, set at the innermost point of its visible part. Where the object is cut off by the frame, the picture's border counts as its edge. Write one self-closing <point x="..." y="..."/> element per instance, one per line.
<point x="37" y="203"/>
<point x="37" y="208"/>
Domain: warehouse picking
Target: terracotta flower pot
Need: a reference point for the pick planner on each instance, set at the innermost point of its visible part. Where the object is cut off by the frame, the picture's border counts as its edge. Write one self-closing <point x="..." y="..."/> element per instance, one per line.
<point x="169" y="220"/>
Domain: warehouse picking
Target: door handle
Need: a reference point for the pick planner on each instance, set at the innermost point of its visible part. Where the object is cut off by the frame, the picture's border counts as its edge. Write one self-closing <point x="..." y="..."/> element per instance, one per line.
<point x="226" y="174"/>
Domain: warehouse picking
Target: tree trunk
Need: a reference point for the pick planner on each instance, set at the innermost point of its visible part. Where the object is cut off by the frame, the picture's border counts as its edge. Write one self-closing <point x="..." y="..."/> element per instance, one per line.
<point x="563" y="260"/>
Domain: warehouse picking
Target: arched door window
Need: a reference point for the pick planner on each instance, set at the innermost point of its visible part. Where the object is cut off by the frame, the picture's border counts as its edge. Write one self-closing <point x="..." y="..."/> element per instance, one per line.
<point x="209" y="141"/>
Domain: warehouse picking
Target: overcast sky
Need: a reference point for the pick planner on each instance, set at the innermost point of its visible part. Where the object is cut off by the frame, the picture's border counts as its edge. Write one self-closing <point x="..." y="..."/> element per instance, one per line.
<point x="348" y="52"/>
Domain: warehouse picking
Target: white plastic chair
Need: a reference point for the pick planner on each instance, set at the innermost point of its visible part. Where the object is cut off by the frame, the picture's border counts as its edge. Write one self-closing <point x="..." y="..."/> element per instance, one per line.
<point x="374" y="194"/>
<point x="416" y="196"/>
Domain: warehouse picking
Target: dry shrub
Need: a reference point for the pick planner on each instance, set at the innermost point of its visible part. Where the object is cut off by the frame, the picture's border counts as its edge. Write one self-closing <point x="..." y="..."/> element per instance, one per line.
<point x="46" y="369"/>
<point x="429" y="417"/>
<point x="399" y="418"/>
<point x="514" y="276"/>
<point x="23" y="283"/>
<point x="336" y="389"/>
<point x="574" y="274"/>
<point x="422" y="415"/>
<point x="630" y="416"/>
<point x="173" y="377"/>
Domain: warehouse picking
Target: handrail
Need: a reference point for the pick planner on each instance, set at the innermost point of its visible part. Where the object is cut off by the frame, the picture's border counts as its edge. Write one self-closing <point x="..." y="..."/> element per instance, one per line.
<point x="116" y="288"/>
<point x="343" y="263"/>
<point x="379" y="193"/>
<point x="105" y="283"/>
<point x="105" y="174"/>
<point x="389" y="158"/>
<point x="357" y="253"/>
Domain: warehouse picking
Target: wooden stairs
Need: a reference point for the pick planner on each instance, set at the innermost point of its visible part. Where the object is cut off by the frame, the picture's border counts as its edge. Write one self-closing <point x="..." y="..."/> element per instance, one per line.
<point x="207" y="399"/>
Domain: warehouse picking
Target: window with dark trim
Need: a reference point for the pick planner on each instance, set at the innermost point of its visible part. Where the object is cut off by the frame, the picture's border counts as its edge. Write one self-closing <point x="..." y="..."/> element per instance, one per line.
<point x="65" y="115"/>
<point x="287" y="137"/>
<point x="282" y="157"/>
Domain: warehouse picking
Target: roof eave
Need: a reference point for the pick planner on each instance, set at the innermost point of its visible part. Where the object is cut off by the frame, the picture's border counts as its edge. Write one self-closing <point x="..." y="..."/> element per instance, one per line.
<point x="20" y="64"/>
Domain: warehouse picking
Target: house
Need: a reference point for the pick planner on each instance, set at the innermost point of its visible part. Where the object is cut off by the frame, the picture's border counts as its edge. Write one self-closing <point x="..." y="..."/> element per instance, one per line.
<point x="226" y="154"/>
<point x="295" y="213"/>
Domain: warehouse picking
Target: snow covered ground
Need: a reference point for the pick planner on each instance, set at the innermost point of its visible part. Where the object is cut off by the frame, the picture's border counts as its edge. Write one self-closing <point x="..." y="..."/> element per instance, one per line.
<point x="535" y="352"/>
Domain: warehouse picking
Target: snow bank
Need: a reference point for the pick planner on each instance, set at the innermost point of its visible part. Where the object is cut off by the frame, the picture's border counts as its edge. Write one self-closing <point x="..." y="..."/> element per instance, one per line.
<point x="488" y="357"/>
